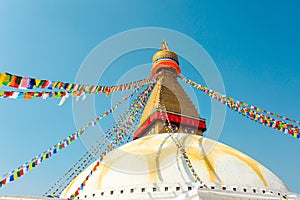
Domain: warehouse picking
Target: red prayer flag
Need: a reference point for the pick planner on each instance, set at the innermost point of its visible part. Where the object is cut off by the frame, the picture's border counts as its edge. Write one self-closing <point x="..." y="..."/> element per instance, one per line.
<point x="45" y="84"/>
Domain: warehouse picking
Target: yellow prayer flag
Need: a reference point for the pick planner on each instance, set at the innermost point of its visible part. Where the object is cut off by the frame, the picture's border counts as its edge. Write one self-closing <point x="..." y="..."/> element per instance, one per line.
<point x="55" y="84"/>
<point x="6" y="77"/>
<point x="16" y="176"/>
<point x="69" y="86"/>
<point x="37" y="82"/>
<point x="1" y="79"/>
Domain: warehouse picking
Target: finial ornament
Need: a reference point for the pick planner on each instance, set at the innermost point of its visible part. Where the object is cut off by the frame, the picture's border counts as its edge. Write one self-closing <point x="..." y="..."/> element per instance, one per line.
<point x="164" y="45"/>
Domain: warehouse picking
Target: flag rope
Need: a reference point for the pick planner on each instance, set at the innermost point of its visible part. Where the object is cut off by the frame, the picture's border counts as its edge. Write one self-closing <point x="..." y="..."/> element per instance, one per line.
<point x="252" y="112"/>
<point x="86" y="157"/>
<point x="124" y="118"/>
<point x="170" y="131"/>
<point x="31" y="95"/>
<point x="121" y="132"/>
<point x="25" y="83"/>
<point x="20" y="171"/>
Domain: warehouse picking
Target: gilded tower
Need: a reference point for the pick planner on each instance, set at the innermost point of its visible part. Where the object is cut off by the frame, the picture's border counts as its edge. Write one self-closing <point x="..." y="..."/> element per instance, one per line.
<point x="168" y="95"/>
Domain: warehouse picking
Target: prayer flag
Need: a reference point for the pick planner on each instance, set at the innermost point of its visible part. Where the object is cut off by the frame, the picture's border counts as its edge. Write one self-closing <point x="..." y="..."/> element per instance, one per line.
<point x="63" y="100"/>
<point x="15" y="82"/>
<point x="69" y="87"/>
<point x="41" y="83"/>
<point x="37" y="82"/>
<point x="16" y="176"/>
<point x="65" y="85"/>
<point x="24" y="83"/>
<point x="50" y="85"/>
<point x="6" y="78"/>
<point x="75" y="87"/>
<point x="11" y="178"/>
<point x="31" y="83"/>
<point x="28" y="95"/>
<point x="15" y="95"/>
<point x="46" y="84"/>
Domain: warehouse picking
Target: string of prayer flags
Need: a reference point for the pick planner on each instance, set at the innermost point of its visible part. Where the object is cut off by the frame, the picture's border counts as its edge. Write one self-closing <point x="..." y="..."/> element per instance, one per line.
<point x="82" y="166"/>
<point x="269" y="122"/>
<point x="23" y="169"/>
<point x="120" y="132"/>
<point x="110" y="147"/>
<point x="240" y="103"/>
<point x="252" y="112"/>
<point x="31" y="95"/>
<point x="116" y="142"/>
<point x="76" y="169"/>
<point x="86" y="155"/>
<point x="169" y="129"/>
<point x="26" y="83"/>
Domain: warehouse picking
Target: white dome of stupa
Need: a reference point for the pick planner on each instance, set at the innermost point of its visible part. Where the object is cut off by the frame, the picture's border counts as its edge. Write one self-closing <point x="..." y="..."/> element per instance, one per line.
<point x="153" y="165"/>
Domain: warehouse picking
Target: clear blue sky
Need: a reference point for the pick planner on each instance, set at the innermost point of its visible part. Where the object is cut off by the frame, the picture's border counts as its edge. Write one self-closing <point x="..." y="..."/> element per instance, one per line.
<point x="255" y="45"/>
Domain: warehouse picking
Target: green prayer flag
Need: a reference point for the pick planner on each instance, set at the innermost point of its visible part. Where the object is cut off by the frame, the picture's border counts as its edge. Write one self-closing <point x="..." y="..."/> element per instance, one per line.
<point x="18" y="80"/>
<point x="41" y="83"/>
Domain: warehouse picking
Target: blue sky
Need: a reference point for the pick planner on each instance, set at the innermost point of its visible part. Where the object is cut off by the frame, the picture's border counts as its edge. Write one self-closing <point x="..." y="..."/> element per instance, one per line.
<point x="255" y="45"/>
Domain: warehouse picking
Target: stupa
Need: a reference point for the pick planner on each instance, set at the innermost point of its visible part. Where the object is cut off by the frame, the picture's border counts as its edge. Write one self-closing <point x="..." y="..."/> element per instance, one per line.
<point x="152" y="167"/>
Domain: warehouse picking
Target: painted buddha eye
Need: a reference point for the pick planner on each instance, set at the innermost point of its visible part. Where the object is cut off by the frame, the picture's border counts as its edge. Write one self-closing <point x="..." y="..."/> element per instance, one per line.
<point x="174" y="127"/>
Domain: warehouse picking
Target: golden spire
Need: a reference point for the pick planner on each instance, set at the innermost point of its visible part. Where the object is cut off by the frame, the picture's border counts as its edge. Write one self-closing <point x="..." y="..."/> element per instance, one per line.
<point x="169" y="93"/>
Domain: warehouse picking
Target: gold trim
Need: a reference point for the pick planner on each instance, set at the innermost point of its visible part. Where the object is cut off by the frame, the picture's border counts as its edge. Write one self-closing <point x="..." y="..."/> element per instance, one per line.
<point x="157" y="110"/>
<point x="165" y="54"/>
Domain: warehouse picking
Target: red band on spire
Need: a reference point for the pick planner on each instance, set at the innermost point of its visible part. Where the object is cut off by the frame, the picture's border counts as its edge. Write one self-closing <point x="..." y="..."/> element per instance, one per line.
<point x="165" y="64"/>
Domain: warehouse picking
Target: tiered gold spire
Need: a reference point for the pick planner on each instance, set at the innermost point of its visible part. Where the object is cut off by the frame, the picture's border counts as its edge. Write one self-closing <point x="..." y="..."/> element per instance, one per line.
<point x="168" y="93"/>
